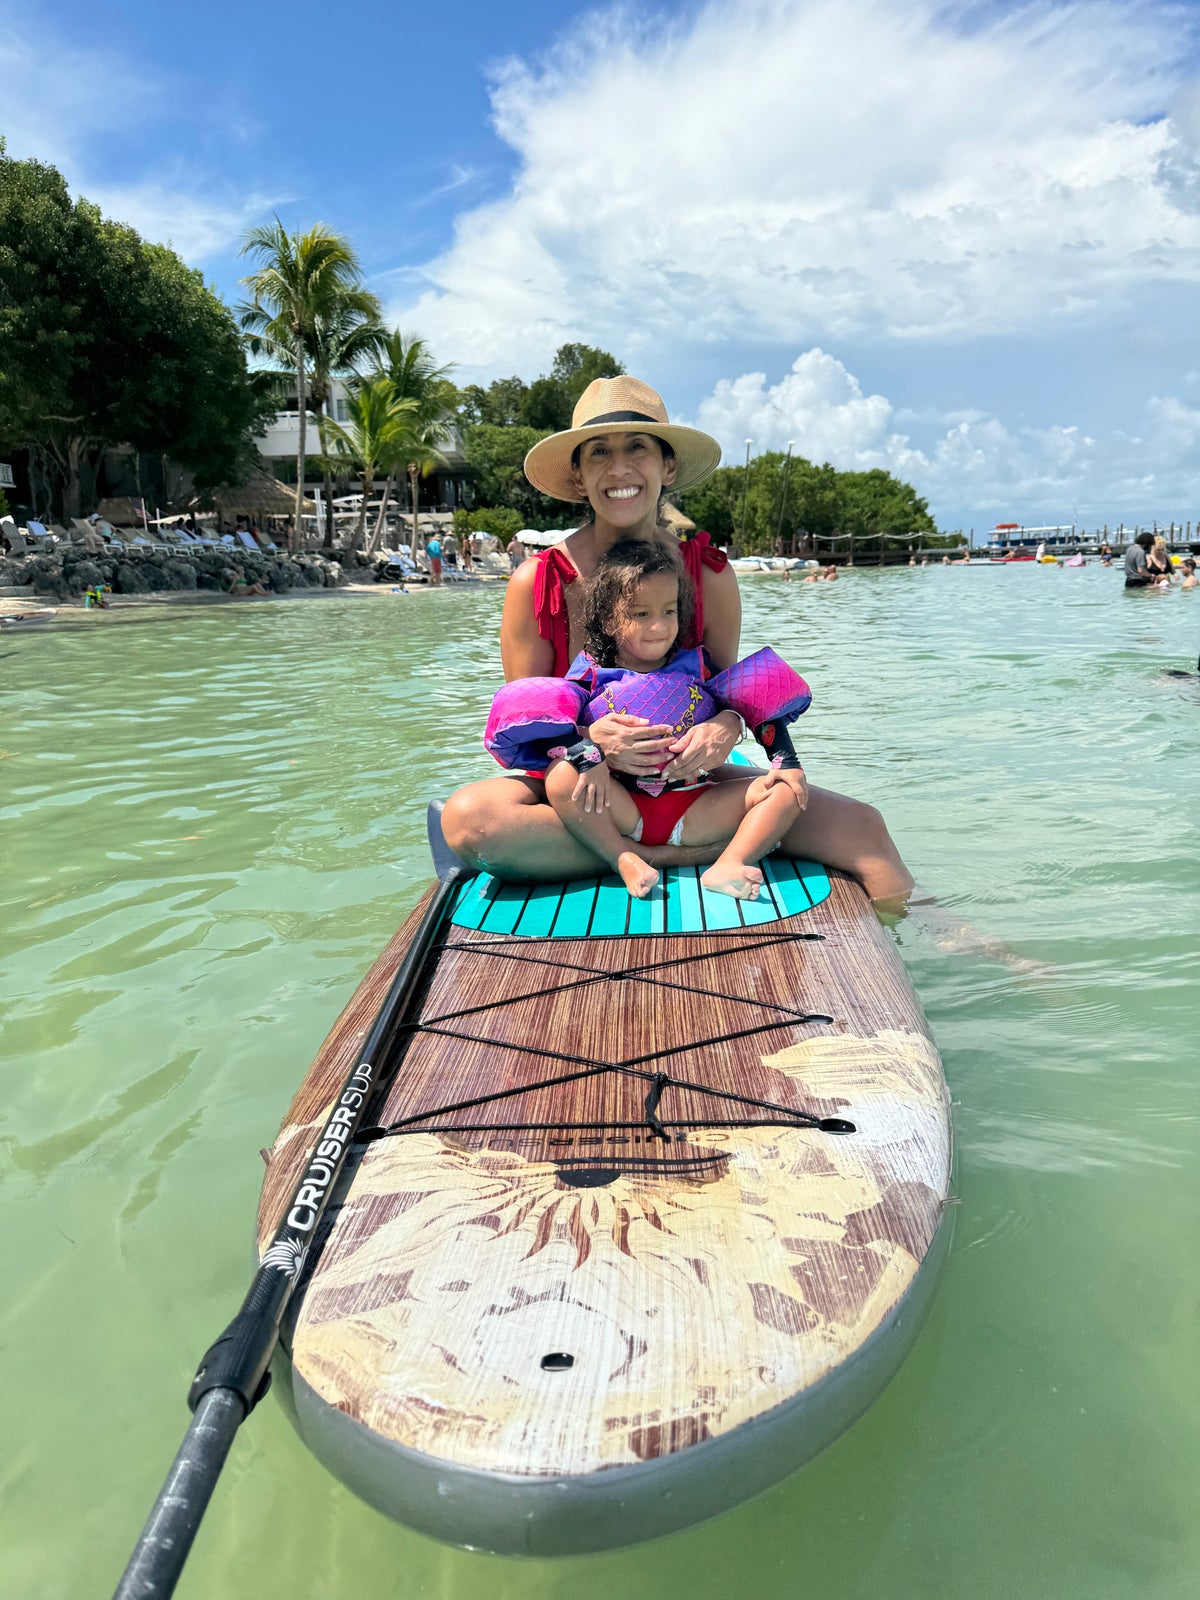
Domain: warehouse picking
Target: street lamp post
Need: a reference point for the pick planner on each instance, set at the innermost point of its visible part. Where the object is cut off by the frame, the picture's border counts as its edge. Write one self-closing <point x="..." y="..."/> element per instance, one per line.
<point x="787" y="467"/>
<point x="745" y="492"/>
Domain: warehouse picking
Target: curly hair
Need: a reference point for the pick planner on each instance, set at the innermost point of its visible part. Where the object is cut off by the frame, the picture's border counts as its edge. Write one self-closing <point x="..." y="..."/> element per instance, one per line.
<point x="610" y="591"/>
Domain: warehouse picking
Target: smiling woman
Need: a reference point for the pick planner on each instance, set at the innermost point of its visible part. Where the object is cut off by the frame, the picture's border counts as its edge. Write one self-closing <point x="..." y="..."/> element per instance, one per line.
<point x="620" y="454"/>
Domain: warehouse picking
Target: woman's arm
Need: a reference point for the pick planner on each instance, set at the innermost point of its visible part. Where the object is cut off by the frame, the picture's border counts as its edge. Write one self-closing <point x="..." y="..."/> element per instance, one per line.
<point x="722" y="616"/>
<point x="523" y="651"/>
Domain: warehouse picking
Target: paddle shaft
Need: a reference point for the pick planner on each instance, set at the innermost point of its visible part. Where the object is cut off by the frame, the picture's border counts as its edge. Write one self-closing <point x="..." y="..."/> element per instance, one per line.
<point x="166" y="1540"/>
<point x="233" y="1374"/>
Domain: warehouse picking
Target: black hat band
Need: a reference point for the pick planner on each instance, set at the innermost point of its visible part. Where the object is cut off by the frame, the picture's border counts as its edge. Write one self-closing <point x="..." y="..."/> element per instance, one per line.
<point x="623" y="416"/>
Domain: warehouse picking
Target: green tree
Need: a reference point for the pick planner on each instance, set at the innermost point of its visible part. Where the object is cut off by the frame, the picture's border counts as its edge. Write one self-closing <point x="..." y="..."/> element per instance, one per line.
<point x="301" y="278"/>
<point x="794" y="500"/>
<point x="502" y="522"/>
<point x="879" y="506"/>
<point x="550" y="400"/>
<point x="497" y="459"/>
<point x="499" y="404"/>
<point x="105" y="342"/>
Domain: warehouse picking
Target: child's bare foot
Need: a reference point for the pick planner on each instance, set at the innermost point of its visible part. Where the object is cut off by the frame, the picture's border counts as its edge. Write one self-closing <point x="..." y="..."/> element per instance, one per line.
<point x="638" y="876"/>
<point x="733" y="877"/>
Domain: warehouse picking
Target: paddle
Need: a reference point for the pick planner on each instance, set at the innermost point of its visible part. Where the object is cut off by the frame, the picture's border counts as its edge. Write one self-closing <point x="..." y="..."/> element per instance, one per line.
<point x="234" y="1373"/>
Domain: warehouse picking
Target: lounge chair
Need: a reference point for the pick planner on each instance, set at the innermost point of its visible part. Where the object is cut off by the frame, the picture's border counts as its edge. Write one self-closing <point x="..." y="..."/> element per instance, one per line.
<point x="249" y="541"/>
<point x="42" y="541"/>
<point x="398" y="562"/>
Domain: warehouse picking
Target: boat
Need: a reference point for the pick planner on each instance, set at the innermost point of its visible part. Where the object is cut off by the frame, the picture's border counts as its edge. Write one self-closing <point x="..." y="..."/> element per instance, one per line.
<point x="22" y="621"/>
<point x="1010" y="541"/>
<point x="634" y="1206"/>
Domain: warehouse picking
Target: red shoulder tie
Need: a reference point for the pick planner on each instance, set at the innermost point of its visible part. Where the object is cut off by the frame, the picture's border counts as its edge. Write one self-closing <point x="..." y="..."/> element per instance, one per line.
<point x="698" y="552"/>
<point x="555" y="570"/>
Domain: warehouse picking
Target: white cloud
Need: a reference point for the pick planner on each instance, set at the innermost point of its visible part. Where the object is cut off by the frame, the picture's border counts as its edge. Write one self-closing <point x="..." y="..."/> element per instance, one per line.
<point x="976" y="471"/>
<point x="795" y="170"/>
<point x="197" y="226"/>
<point x="72" y="99"/>
<point x="818" y="404"/>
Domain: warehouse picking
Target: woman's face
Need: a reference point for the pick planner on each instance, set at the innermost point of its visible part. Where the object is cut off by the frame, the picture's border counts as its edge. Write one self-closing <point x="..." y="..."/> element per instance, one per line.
<point x="622" y="475"/>
<point x="650" y="625"/>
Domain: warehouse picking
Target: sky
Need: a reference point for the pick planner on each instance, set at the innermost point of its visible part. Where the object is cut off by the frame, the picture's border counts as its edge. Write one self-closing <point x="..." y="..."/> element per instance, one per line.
<point x="957" y="241"/>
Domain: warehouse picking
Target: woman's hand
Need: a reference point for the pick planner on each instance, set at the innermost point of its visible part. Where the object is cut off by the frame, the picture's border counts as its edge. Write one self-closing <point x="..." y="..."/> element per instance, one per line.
<point x="704" y="747"/>
<point x="631" y="744"/>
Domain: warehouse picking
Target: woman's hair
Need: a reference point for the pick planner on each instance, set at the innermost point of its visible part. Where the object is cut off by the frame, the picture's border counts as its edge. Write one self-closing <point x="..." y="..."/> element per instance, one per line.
<point x="611" y="589"/>
<point x="1159" y="541"/>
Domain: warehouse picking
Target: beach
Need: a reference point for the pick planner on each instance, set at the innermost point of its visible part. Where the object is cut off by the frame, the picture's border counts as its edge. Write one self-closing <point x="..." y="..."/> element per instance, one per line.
<point x="214" y="818"/>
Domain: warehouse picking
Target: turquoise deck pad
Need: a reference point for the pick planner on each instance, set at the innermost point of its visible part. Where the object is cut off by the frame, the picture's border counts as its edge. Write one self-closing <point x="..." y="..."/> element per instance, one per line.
<point x="599" y="908"/>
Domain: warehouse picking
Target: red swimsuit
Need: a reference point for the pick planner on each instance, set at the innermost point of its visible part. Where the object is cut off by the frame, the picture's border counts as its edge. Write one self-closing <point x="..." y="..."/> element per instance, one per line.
<point x="555" y="570"/>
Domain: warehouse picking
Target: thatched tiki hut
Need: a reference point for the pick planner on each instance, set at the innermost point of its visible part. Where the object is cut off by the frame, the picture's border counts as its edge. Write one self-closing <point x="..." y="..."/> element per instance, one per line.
<point x="259" y="495"/>
<point x="122" y="511"/>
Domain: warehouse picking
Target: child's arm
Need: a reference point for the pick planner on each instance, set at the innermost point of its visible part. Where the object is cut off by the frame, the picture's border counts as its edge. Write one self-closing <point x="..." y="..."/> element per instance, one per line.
<point x="777" y="742"/>
<point x="592" y="784"/>
<point x="785" y="763"/>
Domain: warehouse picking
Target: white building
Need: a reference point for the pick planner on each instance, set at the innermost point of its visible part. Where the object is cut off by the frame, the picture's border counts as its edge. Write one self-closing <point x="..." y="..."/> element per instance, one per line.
<point x="441" y="490"/>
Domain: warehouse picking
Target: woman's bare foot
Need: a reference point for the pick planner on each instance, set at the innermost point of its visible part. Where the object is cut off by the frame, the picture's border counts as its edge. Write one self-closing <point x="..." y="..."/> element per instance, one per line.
<point x="733" y="877"/>
<point x="638" y="876"/>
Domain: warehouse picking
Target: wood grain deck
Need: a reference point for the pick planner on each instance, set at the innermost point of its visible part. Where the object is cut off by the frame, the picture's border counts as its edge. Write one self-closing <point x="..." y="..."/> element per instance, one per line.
<point x="695" y="1283"/>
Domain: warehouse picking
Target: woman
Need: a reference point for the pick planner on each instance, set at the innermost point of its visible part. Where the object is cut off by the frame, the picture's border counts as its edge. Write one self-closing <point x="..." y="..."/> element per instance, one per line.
<point x="1158" y="561"/>
<point x="619" y="456"/>
<point x="240" y="585"/>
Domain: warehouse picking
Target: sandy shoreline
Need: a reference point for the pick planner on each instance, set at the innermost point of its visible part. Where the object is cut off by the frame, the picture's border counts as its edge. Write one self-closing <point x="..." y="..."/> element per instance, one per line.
<point x="17" y="606"/>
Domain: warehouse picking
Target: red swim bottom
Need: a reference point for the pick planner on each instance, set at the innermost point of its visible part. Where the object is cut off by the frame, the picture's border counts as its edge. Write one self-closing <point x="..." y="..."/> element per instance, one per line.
<point x="662" y="813"/>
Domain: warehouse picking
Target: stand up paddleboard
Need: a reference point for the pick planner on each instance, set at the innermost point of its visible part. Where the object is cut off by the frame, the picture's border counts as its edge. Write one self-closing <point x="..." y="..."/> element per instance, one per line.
<point x="645" y="1209"/>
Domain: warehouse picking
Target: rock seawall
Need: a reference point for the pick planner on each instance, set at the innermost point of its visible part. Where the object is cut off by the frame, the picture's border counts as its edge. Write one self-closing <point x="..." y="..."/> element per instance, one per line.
<point x="67" y="575"/>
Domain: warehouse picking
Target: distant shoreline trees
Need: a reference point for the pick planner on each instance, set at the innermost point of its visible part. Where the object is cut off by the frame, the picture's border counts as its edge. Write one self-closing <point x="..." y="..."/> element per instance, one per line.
<point x="792" y="506"/>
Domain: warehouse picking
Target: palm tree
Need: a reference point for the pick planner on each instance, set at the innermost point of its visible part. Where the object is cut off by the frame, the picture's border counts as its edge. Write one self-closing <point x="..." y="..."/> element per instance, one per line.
<point x="342" y="341"/>
<point x="377" y="437"/>
<point x="301" y="279"/>
<point x="408" y="362"/>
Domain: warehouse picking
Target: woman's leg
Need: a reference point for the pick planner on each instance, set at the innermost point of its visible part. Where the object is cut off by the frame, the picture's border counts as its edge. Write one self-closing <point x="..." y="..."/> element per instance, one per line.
<point x="605" y="833"/>
<point x="852" y="836"/>
<point x="504" y="826"/>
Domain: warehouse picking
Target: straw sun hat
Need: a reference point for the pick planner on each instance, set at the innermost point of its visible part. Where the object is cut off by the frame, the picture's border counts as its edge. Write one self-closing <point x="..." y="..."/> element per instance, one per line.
<point x="619" y="405"/>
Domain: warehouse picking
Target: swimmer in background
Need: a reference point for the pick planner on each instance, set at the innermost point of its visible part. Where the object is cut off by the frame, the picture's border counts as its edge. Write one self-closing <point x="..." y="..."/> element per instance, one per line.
<point x="1188" y="568"/>
<point x="240" y="586"/>
<point x="1158" y="560"/>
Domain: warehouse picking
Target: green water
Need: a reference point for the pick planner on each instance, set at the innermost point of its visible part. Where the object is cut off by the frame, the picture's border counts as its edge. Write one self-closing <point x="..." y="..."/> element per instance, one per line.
<point x="212" y="818"/>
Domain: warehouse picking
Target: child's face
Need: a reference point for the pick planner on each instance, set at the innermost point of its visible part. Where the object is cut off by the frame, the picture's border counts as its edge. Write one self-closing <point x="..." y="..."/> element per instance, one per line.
<point x="650" y="626"/>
